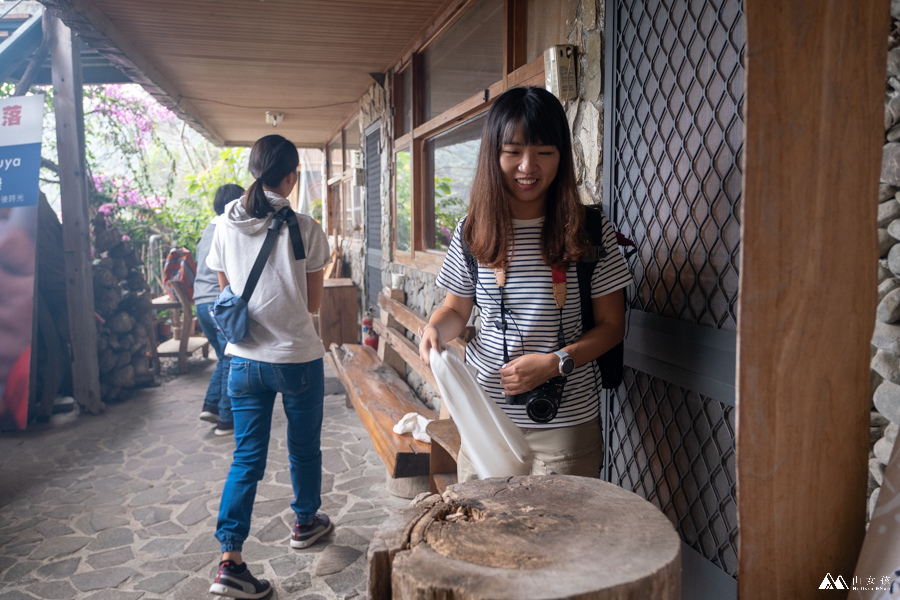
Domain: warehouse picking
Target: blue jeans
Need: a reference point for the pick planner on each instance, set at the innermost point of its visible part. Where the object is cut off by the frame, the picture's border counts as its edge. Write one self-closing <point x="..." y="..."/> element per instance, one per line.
<point x="217" y="392"/>
<point x="253" y="386"/>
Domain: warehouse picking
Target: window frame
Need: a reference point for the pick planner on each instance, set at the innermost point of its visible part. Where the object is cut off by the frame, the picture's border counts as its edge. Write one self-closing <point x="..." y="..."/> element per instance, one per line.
<point x="338" y="181"/>
<point x="515" y="72"/>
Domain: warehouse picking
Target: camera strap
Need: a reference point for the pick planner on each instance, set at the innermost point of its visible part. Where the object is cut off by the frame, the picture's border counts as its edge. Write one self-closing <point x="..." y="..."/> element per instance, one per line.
<point x="500" y="278"/>
<point x="559" y="296"/>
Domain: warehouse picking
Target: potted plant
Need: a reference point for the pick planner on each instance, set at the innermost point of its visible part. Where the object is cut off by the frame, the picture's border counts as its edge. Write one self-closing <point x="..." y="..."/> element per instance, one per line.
<point x="163" y="326"/>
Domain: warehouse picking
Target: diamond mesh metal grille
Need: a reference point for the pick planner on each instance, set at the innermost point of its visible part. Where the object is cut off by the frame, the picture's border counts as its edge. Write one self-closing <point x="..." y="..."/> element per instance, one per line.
<point x="678" y="140"/>
<point x="676" y="449"/>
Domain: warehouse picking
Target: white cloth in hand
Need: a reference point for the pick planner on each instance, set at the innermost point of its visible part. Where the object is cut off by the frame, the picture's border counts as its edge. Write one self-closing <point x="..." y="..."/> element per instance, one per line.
<point x="492" y="441"/>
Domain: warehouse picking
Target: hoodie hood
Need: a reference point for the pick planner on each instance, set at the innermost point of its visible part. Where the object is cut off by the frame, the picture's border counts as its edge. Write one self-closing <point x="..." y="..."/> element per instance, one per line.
<point x="235" y="216"/>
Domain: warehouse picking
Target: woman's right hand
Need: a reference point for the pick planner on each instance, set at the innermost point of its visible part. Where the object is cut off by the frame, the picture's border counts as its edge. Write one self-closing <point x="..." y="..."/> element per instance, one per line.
<point x="429" y="337"/>
<point x="450" y="318"/>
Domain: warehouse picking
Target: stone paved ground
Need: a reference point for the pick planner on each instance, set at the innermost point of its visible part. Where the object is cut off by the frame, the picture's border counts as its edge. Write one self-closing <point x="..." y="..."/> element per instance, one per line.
<point x="122" y="506"/>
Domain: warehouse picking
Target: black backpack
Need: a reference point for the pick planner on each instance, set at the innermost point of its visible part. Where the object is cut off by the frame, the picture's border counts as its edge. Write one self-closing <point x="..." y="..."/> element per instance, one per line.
<point x="611" y="363"/>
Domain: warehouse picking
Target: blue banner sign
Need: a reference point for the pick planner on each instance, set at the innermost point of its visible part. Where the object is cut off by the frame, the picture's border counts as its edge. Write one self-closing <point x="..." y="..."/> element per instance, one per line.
<point x="21" y="120"/>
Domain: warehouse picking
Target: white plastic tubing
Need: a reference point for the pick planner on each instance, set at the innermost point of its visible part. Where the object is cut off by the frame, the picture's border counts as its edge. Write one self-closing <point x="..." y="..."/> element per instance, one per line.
<point x="493" y="443"/>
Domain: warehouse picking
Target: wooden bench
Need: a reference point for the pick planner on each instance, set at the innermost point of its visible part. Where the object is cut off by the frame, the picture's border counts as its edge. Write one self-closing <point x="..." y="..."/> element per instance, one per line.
<point x="444" y="454"/>
<point x="377" y="389"/>
<point x="182" y="344"/>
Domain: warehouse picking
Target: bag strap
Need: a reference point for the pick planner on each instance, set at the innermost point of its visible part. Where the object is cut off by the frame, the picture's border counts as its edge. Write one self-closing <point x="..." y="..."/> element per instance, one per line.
<point x="471" y="263"/>
<point x="285" y="214"/>
<point x="593" y="222"/>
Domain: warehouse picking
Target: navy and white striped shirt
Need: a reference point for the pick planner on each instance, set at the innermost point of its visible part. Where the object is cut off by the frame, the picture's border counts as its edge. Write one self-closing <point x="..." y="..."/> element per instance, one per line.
<point x="533" y="317"/>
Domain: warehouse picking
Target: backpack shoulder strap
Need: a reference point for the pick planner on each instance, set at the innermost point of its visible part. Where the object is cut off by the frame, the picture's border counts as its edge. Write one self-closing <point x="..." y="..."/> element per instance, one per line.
<point x="593" y="222"/>
<point x="288" y="215"/>
<point x="471" y="263"/>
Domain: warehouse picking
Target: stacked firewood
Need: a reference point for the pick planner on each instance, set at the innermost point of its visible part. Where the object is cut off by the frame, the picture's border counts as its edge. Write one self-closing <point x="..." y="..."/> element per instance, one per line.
<point x="122" y="301"/>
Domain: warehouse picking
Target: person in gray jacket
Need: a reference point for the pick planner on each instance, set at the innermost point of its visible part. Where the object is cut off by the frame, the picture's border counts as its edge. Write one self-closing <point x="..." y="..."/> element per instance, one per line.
<point x="216" y="404"/>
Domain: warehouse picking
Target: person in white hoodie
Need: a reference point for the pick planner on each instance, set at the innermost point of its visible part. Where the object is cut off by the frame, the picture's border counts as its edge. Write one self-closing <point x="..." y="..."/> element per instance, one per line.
<point x="281" y="353"/>
<point x="216" y="404"/>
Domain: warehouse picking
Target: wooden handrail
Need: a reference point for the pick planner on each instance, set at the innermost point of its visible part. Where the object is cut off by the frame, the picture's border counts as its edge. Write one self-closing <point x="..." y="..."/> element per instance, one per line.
<point x="412" y="321"/>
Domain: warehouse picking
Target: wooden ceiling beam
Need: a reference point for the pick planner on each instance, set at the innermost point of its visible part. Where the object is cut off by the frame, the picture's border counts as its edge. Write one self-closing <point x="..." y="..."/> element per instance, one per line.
<point x="219" y="65"/>
<point x="110" y="42"/>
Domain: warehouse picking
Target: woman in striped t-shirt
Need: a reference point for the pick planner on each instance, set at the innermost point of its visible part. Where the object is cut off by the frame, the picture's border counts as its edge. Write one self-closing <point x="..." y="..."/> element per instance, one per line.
<point x="525" y="228"/>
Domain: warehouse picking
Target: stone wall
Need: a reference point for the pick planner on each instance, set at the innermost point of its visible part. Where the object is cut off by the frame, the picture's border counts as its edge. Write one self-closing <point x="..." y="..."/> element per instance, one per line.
<point x="586" y="112"/>
<point x="885" y="416"/>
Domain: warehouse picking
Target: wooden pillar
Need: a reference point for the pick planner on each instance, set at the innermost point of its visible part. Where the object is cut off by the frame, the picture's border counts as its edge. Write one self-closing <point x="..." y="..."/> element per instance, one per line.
<point x="812" y="150"/>
<point x="66" y="61"/>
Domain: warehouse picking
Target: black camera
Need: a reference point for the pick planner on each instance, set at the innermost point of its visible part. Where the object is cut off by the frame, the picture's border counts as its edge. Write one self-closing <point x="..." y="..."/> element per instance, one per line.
<point x="541" y="403"/>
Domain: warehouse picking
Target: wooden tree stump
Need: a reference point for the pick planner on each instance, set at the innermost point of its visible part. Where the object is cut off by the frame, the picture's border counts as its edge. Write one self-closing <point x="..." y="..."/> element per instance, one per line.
<point x="548" y="536"/>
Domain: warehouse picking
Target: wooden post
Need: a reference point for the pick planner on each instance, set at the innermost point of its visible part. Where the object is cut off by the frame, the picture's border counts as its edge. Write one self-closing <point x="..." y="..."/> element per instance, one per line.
<point x="812" y="149"/>
<point x="76" y="222"/>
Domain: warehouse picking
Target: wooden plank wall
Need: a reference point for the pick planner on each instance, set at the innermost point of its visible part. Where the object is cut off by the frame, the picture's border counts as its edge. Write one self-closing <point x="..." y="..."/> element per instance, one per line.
<point x="812" y="150"/>
<point x="76" y="222"/>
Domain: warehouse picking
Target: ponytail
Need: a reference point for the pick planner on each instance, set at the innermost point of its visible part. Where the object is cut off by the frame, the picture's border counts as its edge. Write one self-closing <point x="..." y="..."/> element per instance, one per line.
<point x="271" y="160"/>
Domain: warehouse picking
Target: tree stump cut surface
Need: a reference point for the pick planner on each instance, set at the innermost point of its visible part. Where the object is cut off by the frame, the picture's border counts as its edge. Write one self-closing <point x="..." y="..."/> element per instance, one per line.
<point x="534" y="537"/>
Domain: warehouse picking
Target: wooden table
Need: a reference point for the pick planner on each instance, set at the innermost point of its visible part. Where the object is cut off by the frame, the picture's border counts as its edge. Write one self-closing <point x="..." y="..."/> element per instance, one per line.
<point x="534" y="537"/>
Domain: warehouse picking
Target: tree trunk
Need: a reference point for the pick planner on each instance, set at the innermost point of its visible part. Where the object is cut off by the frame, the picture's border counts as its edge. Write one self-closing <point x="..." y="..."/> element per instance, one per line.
<point x="527" y="537"/>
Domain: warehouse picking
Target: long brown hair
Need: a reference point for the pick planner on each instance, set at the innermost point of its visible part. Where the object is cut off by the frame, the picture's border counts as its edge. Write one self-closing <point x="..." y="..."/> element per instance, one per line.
<point x="488" y="230"/>
<point x="271" y="160"/>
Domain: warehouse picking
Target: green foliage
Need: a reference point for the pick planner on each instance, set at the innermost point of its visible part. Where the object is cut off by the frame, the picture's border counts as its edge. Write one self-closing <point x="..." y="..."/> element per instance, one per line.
<point x="229" y="167"/>
<point x="448" y="210"/>
<point x="315" y="210"/>
<point x="188" y="217"/>
<point x="404" y="200"/>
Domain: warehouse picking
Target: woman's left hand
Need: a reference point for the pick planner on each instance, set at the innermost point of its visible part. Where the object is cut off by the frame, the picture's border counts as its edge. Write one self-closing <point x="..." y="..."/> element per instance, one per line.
<point x="524" y="373"/>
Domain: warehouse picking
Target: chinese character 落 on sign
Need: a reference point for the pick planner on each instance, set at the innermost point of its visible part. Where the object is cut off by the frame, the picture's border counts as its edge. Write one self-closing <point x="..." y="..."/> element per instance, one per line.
<point x="12" y="115"/>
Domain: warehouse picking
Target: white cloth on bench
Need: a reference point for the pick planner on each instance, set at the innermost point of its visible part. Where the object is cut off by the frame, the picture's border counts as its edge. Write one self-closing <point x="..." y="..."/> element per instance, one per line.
<point x="413" y="424"/>
<point x="493" y="443"/>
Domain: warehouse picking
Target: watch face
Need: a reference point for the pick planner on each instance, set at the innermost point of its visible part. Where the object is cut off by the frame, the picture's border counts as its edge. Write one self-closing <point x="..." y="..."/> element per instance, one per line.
<point x="566" y="363"/>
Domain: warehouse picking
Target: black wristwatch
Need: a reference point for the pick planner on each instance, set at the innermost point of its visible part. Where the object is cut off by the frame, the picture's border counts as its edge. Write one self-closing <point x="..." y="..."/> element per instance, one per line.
<point x="566" y="364"/>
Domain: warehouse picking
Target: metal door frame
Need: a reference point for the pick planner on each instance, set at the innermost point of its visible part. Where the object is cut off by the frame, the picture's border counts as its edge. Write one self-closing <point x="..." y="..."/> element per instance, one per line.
<point x="694" y="357"/>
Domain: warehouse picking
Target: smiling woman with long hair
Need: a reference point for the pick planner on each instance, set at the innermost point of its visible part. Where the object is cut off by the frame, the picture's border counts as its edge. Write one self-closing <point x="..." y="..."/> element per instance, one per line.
<point x="526" y="228"/>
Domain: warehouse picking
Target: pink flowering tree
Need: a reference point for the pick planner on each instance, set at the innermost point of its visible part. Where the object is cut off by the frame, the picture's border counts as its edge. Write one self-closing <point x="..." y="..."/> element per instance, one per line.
<point x="151" y="174"/>
<point x="122" y="133"/>
<point x="159" y="177"/>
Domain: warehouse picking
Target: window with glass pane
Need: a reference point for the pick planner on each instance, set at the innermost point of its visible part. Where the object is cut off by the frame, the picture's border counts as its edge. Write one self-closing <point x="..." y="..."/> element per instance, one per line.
<point x="466" y="59"/>
<point x="402" y="103"/>
<point x="356" y="193"/>
<point x="352" y="208"/>
<point x="548" y="25"/>
<point x="335" y="157"/>
<point x="404" y="200"/>
<point x="450" y="160"/>
<point x="334" y="208"/>
<point x="351" y="144"/>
